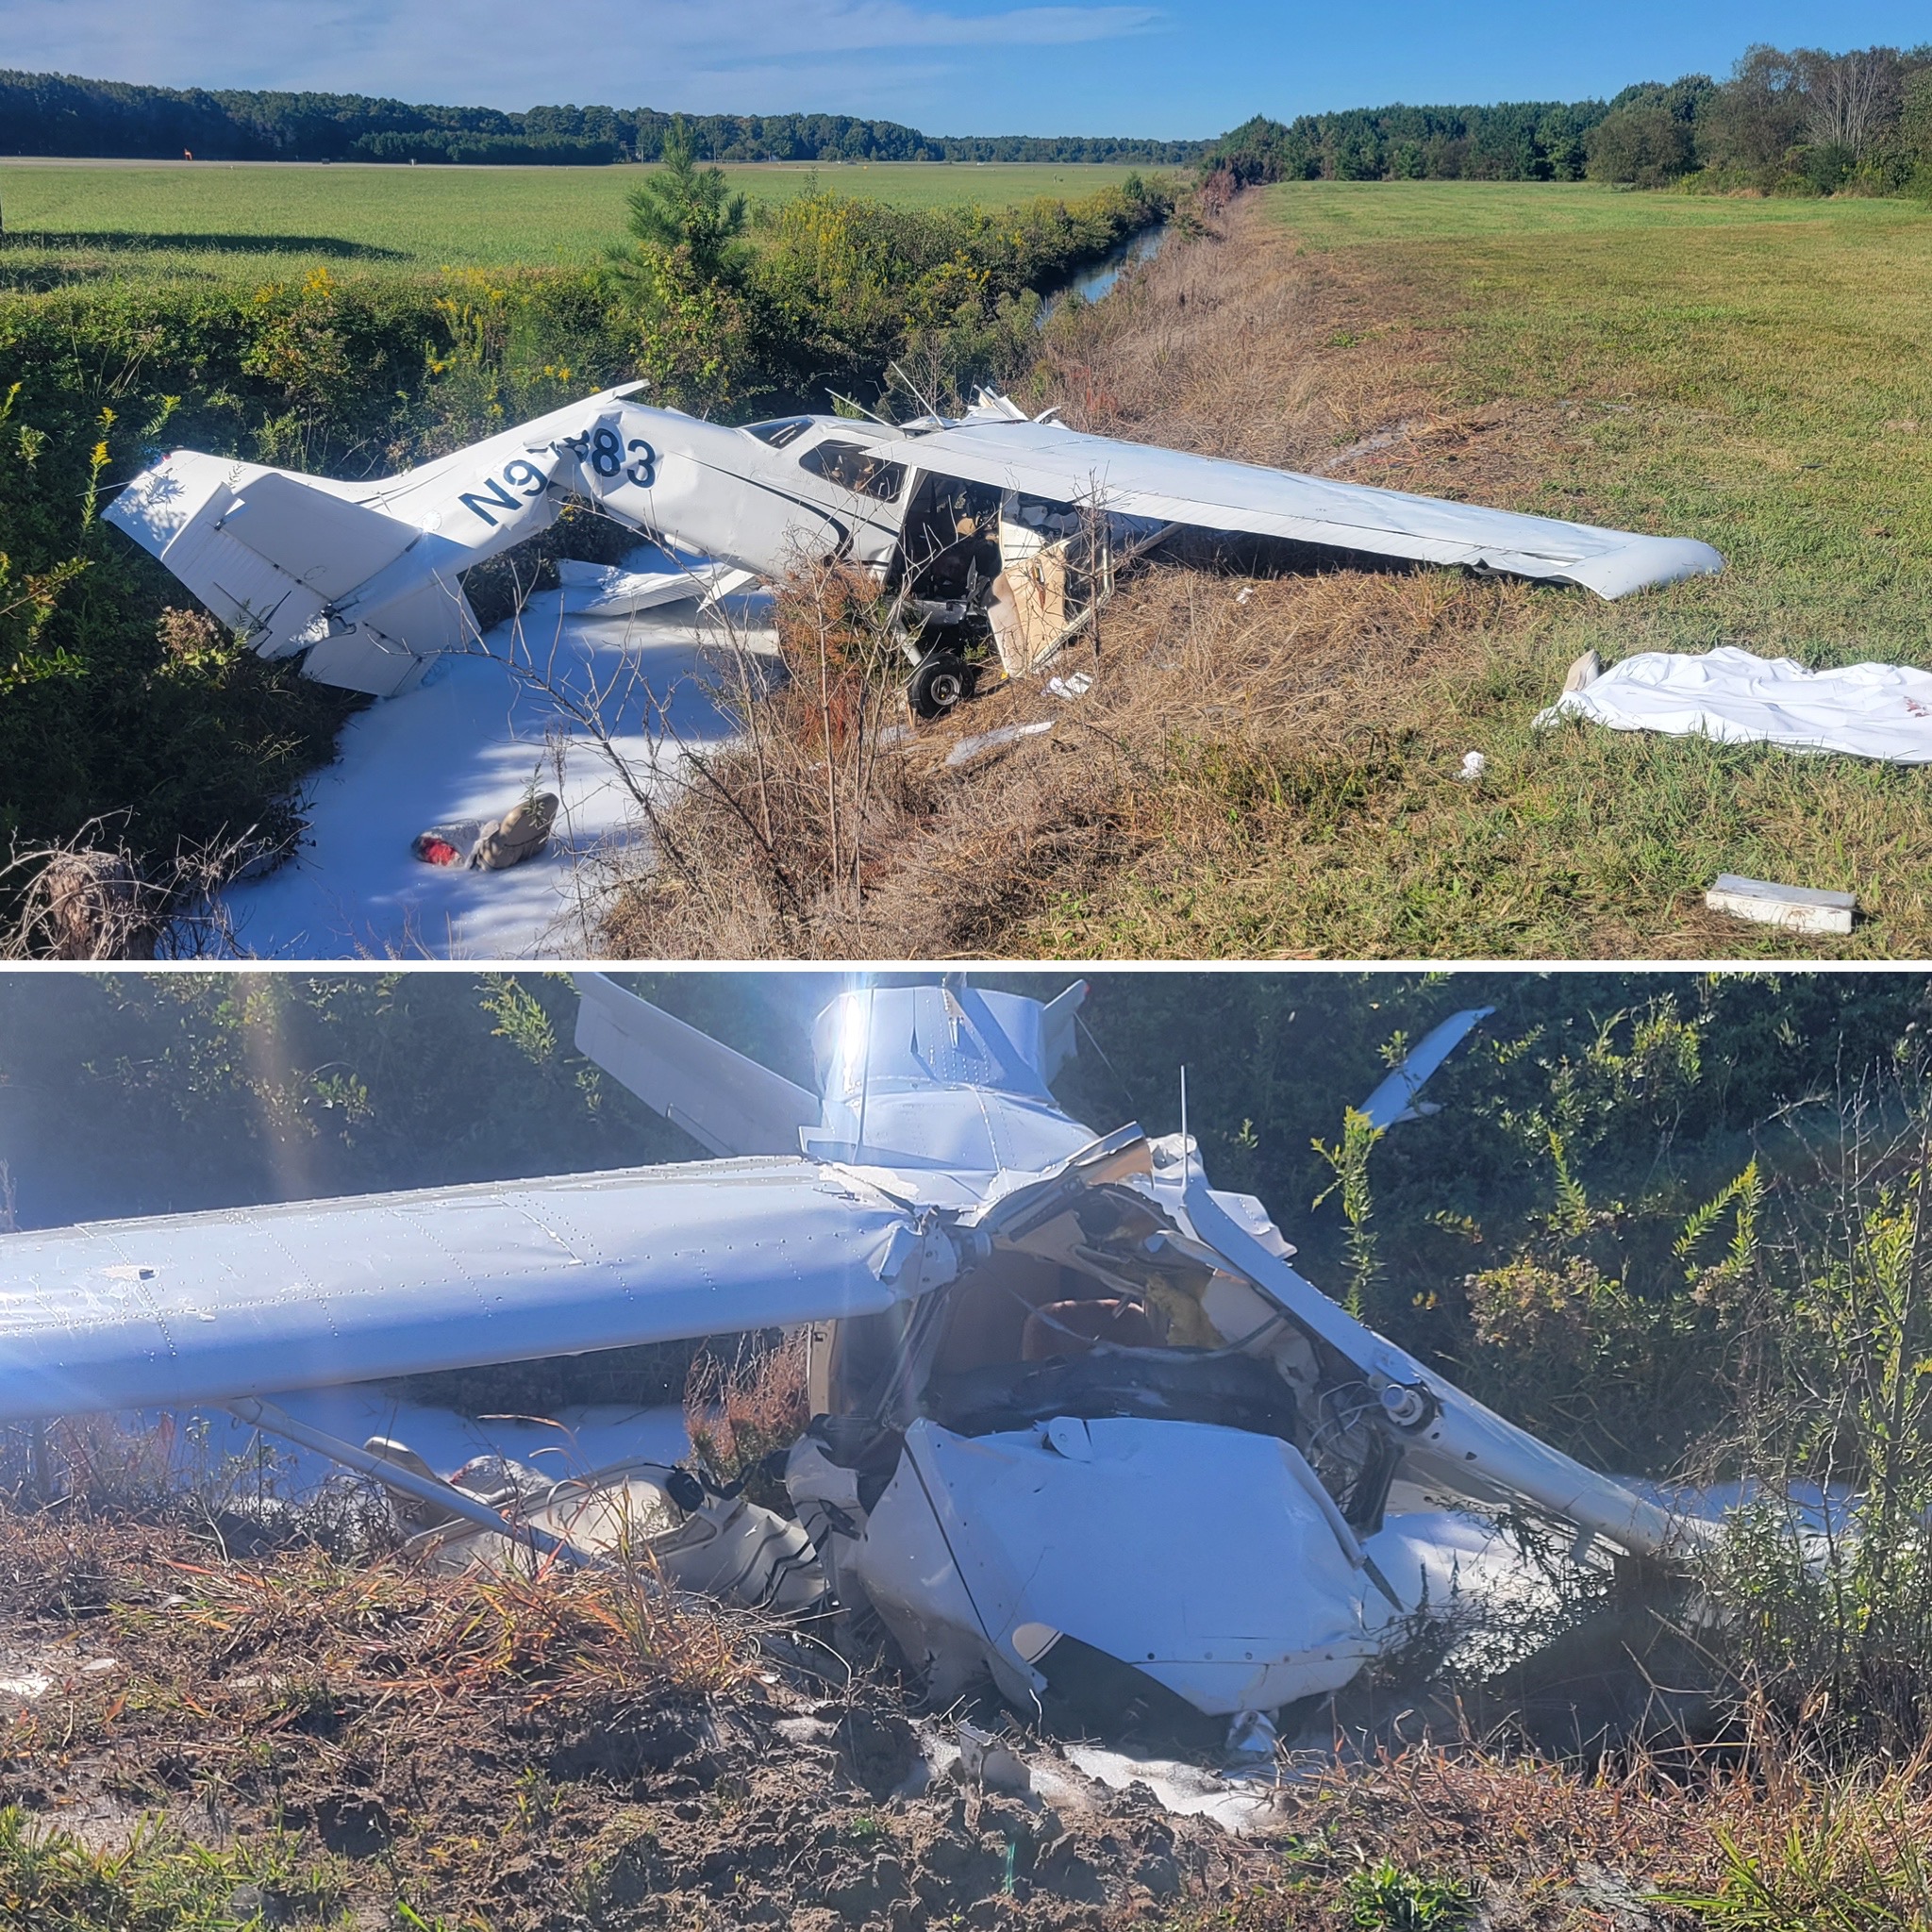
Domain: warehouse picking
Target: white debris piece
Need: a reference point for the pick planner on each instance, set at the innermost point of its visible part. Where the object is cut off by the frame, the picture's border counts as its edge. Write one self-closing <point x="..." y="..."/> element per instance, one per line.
<point x="1240" y="1807"/>
<point x="596" y="590"/>
<point x="1583" y="672"/>
<point x="1861" y="710"/>
<point x="26" y="1688"/>
<point x="1075" y="685"/>
<point x="1473" y="766"/>
<point x="970" y="748"/>
<point x="1797" y="908"/>
<point x="987" y="1761"/>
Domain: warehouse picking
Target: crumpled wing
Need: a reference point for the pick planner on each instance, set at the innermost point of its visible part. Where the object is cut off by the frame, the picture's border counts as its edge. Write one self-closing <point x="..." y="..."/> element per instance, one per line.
<point x="206" y="1307"/>
<point x="1169" y="486"/>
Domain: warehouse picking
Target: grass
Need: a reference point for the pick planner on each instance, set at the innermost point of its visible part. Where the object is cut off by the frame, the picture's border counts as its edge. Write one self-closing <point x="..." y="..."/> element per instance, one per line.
<point x="1758" y="373"/>
<point x="1340" y="214"/>
<point x="1279" y="776"/>
<point x="223" y="219"/>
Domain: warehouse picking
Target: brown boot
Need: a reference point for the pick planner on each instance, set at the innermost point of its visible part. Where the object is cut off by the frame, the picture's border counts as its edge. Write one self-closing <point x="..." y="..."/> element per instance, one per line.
<point x="522" y="833"/>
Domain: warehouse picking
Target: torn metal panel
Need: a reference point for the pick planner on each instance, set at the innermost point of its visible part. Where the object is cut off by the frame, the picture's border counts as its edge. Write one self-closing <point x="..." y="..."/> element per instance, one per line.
<point x="706" y="1544"/>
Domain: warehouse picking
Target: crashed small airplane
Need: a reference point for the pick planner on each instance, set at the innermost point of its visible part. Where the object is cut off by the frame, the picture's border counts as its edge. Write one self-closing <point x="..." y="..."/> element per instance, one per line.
<point x="1078" y="1425"/>
<point x="975" y="522"/>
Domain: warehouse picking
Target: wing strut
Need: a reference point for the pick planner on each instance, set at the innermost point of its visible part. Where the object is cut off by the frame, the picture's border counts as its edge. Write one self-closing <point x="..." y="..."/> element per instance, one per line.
<point x="391" y="1476"/>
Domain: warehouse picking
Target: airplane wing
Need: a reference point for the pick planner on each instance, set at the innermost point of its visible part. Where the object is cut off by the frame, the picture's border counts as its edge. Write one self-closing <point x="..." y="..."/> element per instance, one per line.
<point x="1135" y="479"/>
<point x="209" y="1308"/>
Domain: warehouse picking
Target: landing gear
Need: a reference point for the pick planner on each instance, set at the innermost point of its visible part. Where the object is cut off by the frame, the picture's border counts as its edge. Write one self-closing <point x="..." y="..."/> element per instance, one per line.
<point x="939" y="680"/>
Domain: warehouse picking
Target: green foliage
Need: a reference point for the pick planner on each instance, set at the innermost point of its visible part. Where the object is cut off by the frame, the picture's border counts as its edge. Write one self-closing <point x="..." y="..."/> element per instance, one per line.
<point x="61" y="114"/>
<point x="1830" y="1601"/>
<point x="684" y="208"/>
<point x="1643" y="144"/>
<point x="112" y="713"/>
<point x="1384" y="1898"/>
<point x="161" y="1881"/>
<point x="1851" y="1860"/>
<point x="844" y="287"/>
<point x="1348" y="1161"/>
<point x="1512" y="140"/>
<point x="1805" y="122"/>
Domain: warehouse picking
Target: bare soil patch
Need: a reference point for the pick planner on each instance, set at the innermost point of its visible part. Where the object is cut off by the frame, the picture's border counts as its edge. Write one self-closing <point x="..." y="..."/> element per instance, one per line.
<point x="312" y="1742"/>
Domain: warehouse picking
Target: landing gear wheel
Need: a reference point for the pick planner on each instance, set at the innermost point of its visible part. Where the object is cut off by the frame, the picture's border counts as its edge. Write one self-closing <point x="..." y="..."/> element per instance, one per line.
<point x="940" y="681"/>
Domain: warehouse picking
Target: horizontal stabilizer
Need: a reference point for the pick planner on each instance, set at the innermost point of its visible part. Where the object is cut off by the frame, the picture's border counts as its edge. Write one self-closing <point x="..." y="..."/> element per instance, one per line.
<point x="725" y="1101"/>
<point x="321" y="541"/>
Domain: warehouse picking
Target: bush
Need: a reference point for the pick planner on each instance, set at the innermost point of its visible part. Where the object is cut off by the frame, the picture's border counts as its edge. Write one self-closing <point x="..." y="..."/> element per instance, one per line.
<point x="1644" y="145"/>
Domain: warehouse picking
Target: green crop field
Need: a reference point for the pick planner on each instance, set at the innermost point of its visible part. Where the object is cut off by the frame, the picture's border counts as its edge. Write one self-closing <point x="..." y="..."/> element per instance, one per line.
<point x="221" y="219"/>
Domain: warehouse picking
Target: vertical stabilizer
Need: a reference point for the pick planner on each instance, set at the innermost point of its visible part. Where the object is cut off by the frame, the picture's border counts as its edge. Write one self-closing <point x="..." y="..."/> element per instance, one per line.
<point x="722" y="1099"/>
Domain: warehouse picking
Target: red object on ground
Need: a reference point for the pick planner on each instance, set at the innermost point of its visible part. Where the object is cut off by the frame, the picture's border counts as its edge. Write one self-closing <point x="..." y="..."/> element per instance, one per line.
<point x="436" y="851"/>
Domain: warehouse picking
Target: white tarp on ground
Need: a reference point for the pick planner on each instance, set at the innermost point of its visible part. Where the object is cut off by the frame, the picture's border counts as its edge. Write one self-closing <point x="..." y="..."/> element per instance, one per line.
<point x="1863" y="710"/>
<point x="467" y="743"/>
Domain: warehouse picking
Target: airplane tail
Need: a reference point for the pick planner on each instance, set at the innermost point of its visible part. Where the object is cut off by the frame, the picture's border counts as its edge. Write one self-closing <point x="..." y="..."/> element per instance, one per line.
<point x="725" y="1101"/>
<point x="276" y="555"/>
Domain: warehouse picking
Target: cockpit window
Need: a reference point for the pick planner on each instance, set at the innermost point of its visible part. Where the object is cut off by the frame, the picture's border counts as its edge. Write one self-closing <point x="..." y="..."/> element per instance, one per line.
<point x="778" y="433"/>
<point x="854" y="467"/>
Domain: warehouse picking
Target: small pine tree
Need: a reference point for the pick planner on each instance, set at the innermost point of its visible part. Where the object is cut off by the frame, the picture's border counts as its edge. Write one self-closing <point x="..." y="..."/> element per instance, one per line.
<point x="683" y="207"/>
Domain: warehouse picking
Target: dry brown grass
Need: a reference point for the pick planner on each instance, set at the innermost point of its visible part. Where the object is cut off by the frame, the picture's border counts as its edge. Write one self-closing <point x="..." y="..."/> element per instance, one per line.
<point x="740" y="1412"/>
<point x="1225" y="716"/>
<point x="568" y="1750"/>
<point x="1228" y="714"/>
<point x="90" y="897"/>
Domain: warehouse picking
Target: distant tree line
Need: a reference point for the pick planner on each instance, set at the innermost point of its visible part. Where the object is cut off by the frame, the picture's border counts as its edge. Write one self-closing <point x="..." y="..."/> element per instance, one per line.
<point x="1798" y="123"/>
<point x="61" y="114"/>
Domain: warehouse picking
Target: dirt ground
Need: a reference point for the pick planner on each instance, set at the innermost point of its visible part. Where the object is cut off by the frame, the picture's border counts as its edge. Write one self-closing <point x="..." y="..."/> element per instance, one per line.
<point x="194" y="1739"/>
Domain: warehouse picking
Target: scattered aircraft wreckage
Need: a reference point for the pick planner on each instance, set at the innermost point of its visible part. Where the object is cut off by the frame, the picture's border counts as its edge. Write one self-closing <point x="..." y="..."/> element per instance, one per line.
<point x="993" y="522"/>
<point x="1078" y="1425"/>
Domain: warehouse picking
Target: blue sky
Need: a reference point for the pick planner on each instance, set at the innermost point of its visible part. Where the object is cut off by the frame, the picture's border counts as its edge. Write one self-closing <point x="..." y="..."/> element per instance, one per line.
<point x="1167" y="67"/>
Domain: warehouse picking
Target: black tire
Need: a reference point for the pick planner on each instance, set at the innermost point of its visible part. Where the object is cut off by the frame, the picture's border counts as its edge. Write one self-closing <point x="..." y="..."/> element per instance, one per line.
<point x="940" y="681"/>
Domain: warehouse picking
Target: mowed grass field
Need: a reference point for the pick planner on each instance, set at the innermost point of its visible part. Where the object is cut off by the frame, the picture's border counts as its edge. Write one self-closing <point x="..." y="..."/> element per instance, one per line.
<point x="218" y="219"/>
<point x="1757" y="374"/>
